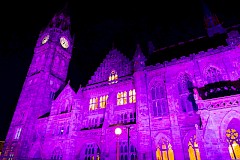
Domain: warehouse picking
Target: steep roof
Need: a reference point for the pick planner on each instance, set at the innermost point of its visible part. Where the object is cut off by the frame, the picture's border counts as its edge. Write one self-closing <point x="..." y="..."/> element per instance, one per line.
<point x="114" y="61"/>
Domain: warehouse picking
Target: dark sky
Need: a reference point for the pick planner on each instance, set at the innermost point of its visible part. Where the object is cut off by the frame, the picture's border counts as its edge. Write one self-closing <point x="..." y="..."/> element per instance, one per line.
<point x="96" y="26"/>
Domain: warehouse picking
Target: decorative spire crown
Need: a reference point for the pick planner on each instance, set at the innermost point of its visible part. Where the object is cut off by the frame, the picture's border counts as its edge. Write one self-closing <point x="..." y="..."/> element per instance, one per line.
<point x="61" y="19"/>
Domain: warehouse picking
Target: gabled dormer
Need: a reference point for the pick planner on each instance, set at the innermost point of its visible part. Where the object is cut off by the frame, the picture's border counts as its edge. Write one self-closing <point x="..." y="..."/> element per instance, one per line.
<point x="113" y="67"/>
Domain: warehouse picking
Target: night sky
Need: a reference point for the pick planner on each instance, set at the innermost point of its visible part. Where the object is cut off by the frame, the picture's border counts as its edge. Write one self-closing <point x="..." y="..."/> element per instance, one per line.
<point x="96" y="26"/>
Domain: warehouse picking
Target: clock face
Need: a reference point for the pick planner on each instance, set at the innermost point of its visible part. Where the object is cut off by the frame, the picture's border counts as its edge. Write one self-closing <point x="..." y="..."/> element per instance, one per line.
<point x="45" y="39"/>
<point x="64" y="42"/>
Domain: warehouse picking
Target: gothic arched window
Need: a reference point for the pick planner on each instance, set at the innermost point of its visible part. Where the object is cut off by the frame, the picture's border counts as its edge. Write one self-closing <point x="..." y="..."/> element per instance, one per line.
<point x="57" y="154"/>
<point x="193" y="149"/>
<point x="164" y="150"/>
<point x="124" y="151"/>
<point x="159" y="101"/>
<point x="113" y="77"/>
<point x="185" y="88"/>
<point x="92" y="152"/>
<point x="234" y="143"/>
<point x="213" y="75"/>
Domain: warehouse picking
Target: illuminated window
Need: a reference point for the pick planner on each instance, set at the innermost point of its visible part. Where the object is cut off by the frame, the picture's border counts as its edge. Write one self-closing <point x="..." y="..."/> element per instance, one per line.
<point x="233" y="141"/>
<point x="103" y="101"/>
<point x="122" y="98"/>
<point x="113" y="77"/>
<point x="164" y="151"/>
<point x="159" y="101"/>
<point x="92" y="152"/>
<point x="17" y="134"/>
<point x="124" y="151"/>
<point x="132" y="96"/>
<point x="184" y="88"/>
<point x="93" y="103"/>
<point x="193" y="149"/>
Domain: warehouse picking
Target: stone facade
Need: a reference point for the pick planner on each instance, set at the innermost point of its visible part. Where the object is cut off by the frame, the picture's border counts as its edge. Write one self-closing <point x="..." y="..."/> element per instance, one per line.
<point x="165" y="119"/>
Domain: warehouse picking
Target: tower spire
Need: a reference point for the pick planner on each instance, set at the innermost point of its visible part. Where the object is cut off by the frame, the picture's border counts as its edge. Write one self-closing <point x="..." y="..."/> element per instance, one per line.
<point x="211" y="21"/>
<point x="139" y="59"/>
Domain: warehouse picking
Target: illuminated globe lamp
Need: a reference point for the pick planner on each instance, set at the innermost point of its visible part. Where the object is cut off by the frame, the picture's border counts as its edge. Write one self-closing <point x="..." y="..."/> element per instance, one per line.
<point x="118" y="131"/>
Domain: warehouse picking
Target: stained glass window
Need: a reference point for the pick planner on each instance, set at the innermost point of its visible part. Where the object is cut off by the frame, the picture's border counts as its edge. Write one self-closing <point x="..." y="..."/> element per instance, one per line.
<point x="164" y="150"/>
<point x="132" y="96"/>
<point x="113" y="77"/>
<point x="233" y="141"/>
<point x="193" y="149"/>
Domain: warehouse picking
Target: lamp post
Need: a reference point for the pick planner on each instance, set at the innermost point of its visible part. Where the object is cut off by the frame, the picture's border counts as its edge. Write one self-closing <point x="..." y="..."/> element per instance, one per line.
<point x="118" y="132"/>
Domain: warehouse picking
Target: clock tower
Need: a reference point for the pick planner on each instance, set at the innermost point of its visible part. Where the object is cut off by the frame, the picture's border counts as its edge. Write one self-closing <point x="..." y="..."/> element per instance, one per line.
<point x="46" y="75"/>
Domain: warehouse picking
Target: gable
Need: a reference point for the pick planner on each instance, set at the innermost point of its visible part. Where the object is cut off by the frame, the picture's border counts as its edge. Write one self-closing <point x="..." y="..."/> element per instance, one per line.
<point x="114" y="61"/>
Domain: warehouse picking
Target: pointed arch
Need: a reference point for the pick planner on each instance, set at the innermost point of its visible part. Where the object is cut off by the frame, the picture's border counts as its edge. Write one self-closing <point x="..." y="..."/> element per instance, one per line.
<point x="230" y="131"/>
<point x="57" y="153"/>
<point x="163" y="147"/>
<point x="185" y="87"/>
<point x="89" y="150"/>
<point x="191" y="149"/>
<point x="226" y="120"/>
<point x="212" y="74"/>
<point x="158" y="96"/>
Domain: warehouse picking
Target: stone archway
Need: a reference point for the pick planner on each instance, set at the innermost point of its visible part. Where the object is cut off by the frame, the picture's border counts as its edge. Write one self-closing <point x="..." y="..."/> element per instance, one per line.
<point x="163" y="147"/>
<point x="229" y="132"/>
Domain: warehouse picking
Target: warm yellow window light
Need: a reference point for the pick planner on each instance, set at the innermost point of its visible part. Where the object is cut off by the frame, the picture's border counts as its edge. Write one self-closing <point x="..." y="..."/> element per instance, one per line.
<point x="103" y="101"/>
<point x="233" y="140"/>
<point x="113" y="77"/>
<point x="193" y="149"/>
<point x="132" y="96"/>
<point x="164" y="151"/>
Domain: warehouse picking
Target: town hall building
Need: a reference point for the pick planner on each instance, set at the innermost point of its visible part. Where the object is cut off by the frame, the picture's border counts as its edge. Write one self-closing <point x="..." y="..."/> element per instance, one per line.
<point x="144" y="108"/>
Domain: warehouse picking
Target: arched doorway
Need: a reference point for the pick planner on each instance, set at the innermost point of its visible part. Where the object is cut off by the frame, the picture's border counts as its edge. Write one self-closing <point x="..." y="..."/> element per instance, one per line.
<point x="232" y="137"/>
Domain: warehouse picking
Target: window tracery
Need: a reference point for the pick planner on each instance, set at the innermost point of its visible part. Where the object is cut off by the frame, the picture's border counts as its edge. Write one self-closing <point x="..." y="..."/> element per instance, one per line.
<point x="213" y="75"/>
<point x="124" y="151"/>
<point x="193" y="150"/>
<point x="159" y="101"/>
<point x="57" y="154"/>
<point x="184" y="88"/>
<point x="92" y="152"/>
<point x="233" y="140"/>
<point x="113" y="77"/>
<point x="164" y="150"/>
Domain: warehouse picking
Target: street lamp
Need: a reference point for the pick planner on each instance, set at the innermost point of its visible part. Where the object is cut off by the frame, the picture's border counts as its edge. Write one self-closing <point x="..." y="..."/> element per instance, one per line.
<point x="118" y="132"/>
